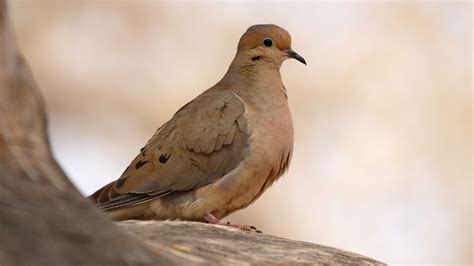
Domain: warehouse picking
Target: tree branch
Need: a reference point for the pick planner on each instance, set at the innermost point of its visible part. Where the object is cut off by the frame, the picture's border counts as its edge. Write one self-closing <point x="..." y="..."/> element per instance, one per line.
<point x="215" y="245"/>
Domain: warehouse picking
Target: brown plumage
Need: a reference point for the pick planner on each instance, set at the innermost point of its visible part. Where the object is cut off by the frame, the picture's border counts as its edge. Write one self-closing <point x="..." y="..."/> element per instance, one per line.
<point x="220" y="151"/>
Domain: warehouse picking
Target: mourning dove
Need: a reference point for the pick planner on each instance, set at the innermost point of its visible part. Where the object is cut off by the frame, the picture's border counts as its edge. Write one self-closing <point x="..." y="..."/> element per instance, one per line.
<point x="220" y="151"/>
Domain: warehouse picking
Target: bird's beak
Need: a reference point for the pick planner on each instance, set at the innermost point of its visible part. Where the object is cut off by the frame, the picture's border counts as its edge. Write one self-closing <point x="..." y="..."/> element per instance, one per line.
<point x="295" y="55"/>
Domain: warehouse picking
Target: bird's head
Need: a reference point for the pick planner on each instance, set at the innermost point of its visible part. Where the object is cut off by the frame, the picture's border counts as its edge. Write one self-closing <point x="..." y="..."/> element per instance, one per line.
<point x="266" y="44"/>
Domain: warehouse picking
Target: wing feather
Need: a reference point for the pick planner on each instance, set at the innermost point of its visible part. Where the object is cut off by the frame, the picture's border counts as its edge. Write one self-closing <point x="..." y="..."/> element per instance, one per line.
<point x="204" y="140"/>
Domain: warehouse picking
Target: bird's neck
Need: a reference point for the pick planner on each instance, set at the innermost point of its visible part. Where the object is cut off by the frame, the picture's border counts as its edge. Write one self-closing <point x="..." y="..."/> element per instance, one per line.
<point x="258" y="84"/>
<point x="257" y="74"/>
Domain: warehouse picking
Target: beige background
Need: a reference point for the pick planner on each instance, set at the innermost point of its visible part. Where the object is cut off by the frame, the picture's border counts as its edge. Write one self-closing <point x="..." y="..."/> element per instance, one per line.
<point x="382" y="112"/>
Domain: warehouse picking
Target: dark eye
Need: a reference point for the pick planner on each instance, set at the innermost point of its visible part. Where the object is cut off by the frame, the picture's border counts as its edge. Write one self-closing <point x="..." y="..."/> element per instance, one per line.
<point x="268" y="42"/>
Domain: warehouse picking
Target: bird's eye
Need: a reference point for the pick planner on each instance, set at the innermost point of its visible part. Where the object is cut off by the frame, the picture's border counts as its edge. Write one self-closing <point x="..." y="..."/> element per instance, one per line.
<point x="268" y="42"/>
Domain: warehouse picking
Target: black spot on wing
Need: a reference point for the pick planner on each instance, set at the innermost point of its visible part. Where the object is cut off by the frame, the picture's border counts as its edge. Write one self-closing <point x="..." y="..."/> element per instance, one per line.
<point x="164" y="158"/>
<point x="143" y="151"/>
<point x="140" y="164"/>
<point x="121" y="182"/>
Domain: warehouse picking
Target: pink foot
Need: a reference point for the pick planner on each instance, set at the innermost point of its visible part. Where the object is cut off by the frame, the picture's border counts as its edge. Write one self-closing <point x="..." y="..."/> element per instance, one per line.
<point x="213" y="220"/>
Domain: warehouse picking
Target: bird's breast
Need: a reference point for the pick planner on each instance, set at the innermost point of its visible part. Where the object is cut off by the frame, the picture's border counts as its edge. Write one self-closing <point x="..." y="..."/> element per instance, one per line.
<point x="271" y="128"/>
<point x="269" y="154"/>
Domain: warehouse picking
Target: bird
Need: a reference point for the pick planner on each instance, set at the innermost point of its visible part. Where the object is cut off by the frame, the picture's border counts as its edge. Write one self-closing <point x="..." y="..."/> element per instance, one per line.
<point x="220" y="151"/>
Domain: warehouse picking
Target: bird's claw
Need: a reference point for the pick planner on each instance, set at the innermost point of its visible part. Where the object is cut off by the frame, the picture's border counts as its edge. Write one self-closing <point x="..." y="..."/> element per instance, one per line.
<point x="213" y="220"/>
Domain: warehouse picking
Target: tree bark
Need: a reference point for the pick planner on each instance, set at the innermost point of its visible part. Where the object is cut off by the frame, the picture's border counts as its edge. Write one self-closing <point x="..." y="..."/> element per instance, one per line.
<point x="44" y="220"/>
<point x="215" y="245"/>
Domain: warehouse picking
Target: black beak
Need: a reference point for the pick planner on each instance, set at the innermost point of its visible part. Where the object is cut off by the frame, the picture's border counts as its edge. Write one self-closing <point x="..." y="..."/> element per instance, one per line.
<point x="294" y="55"/>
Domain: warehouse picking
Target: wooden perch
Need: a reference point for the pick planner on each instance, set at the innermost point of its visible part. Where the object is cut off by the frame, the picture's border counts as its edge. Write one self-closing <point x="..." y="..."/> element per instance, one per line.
<point x="44" y="220"/>
<point x="210" y="244"/>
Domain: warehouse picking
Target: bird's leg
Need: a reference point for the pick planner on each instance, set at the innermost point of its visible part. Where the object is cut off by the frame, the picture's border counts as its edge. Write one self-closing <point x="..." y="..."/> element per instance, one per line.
<point x="213" y="220"/>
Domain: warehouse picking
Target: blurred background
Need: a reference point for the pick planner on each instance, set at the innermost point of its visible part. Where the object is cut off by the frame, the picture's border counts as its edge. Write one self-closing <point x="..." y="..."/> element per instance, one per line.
<point x="382" y="113"/>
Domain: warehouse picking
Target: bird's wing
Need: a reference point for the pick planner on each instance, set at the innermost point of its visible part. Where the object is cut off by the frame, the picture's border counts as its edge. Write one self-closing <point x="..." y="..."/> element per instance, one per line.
<point x="203" y="141"/>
